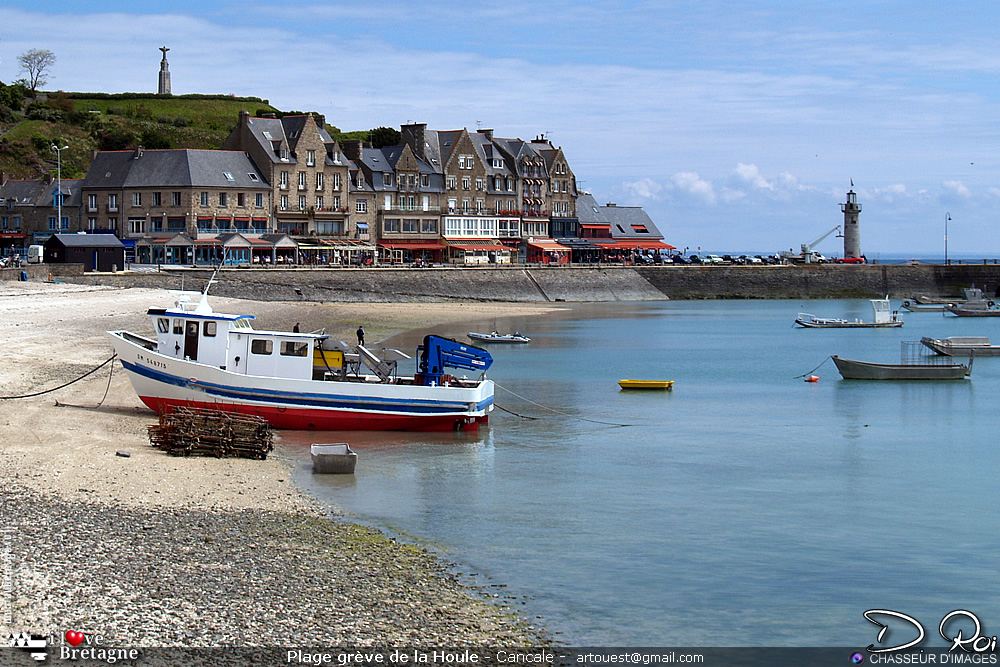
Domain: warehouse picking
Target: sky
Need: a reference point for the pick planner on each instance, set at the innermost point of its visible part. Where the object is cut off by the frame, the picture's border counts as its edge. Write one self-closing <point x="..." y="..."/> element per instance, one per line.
<point x="737" y="126"/>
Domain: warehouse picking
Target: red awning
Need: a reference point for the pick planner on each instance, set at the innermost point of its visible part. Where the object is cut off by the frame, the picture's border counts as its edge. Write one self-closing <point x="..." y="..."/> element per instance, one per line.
<point x="411" y="246"/>
<point x="549" y="246"/>
<point x="645" y="245"/>
<point x="586" y="225"/>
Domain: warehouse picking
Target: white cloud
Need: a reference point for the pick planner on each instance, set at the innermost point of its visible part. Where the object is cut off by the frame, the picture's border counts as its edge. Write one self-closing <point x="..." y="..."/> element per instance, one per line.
<point x="957" y="189"/>
<point x="645" y="188"/>
<point x="691" y="183"/>
<point x="750" y="174"/>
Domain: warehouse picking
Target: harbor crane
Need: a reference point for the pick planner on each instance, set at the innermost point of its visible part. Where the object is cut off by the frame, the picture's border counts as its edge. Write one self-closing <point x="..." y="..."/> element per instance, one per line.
<point x="807" y="248"/>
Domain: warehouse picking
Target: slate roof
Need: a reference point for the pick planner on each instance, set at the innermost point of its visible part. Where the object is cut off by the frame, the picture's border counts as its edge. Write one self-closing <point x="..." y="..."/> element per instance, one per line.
<point x="623" y="219"/>
<point x="89" y="240"/>
<point x="183" y="168"/>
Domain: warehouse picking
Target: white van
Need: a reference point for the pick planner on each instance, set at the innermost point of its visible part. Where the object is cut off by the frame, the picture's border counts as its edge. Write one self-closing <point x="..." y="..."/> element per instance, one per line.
<point x="35" y="254"/>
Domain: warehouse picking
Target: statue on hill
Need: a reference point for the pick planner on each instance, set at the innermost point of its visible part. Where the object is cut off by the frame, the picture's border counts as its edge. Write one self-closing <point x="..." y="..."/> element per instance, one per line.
<point x="164" y="87"/>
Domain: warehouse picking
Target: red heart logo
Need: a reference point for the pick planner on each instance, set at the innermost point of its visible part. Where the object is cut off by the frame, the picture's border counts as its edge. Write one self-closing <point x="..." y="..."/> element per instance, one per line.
<point x="74" y="638"/>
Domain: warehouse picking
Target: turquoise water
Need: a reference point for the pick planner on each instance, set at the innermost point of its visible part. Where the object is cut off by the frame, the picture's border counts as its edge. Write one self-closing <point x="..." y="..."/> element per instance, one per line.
<point x="746" y="507"/>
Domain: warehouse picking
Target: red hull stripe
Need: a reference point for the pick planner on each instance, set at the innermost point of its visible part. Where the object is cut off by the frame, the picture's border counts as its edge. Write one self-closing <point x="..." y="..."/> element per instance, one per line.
<point x="327" y="420"/>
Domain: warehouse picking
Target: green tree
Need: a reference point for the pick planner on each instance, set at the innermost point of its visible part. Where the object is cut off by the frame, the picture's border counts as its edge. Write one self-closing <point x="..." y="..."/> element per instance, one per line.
<point x="385" y="136"/>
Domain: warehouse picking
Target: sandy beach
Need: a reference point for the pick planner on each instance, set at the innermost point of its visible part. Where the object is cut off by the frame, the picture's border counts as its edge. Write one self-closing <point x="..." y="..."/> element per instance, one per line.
<point x="154" y="550"/>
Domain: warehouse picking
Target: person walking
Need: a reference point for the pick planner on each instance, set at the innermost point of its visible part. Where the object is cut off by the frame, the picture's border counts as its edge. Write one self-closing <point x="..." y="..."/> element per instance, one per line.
<point x="361" y="335"/>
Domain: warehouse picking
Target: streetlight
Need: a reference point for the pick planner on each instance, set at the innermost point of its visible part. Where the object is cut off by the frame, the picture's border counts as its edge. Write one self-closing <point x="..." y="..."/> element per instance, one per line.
<point x="59" y="183"/>
<point x="947" y="217"/>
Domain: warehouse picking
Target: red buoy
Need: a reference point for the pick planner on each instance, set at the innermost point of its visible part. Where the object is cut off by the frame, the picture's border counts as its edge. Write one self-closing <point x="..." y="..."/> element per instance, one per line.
<point x="812" y="378"/>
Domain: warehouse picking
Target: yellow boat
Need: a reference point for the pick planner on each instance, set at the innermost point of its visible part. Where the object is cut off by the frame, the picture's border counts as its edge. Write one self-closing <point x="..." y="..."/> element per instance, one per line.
<point x="665" y="385"/>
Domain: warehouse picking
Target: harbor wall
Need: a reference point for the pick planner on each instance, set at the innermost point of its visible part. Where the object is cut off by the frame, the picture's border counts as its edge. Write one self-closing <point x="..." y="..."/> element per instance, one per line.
<point x="550" y="284"/>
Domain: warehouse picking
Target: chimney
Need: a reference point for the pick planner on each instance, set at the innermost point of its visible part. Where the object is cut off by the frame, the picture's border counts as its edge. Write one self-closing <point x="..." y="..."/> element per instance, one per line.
<point x="352" y="149"/>
<point x="138" y="153"/>
<point x="244" y="116"/>
<point x="611" y="203"/>
<point x="320" y="120"/>
<point x="414" y="137"/>
<point x="488" y="133"/>
<point x="3" y="178"/>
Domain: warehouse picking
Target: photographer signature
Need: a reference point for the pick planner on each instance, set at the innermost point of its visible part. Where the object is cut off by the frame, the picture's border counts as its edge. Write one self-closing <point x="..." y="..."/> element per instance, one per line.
<point x="976" y="643"/>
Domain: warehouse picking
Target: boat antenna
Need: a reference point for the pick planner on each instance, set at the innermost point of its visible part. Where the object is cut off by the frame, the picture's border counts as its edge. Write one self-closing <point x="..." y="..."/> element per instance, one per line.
<point x="214" y="273"/>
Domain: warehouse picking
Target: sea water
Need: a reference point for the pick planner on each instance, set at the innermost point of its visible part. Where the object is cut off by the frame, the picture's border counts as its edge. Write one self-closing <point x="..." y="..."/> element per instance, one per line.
<point x="747" y="507"/>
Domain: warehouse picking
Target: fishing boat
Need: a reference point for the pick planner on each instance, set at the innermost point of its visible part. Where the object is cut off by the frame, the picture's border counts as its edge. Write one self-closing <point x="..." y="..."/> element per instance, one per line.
<point x="912" y="366"/>
<point x="665" y="385"/>
<point x="201" y="358"/>
<point x="918" y="307"/>
<point x="884" y="317"/>
<point x="497" y="337"/>
<point x="962" y="346"/>
<point x="333" y="458"/>
<point x="974" y="305"/>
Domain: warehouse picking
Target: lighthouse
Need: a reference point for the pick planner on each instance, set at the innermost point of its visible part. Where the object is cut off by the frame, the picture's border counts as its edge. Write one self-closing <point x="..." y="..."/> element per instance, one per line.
<point x="852" y="235"/>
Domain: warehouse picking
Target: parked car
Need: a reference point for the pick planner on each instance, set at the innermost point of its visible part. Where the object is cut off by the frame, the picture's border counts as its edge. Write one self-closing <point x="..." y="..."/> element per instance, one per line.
<point x="678" y="259"/>
<point x="849" y="260"/>
<point x="729" y="259"/>
<point x="694" y="259"/>
<point x="747" y="259"/>
<point x="712" y="259"/>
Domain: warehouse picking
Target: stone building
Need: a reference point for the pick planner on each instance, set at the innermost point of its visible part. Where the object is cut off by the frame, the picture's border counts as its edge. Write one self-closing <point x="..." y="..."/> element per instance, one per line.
<point x="306" y="169"/>
<point x="161" y="193"/>
<point x="29" y="212"/>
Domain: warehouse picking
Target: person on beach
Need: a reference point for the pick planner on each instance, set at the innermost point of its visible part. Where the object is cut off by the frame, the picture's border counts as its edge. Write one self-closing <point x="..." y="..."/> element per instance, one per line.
<point x="361" y="335"/>
<point x="295" y="329"/>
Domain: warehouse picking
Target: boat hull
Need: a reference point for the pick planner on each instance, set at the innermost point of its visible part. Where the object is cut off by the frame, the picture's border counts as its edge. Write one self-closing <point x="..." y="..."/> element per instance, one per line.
<point x="864" y="370"/>
<point x="506" y="338"/>
<point x="973" y="312"/>
<point x="662" y="385"/>
<point x="834" y="324"/>
<point x="960" y="346"/>
<point x="165" y="383"/>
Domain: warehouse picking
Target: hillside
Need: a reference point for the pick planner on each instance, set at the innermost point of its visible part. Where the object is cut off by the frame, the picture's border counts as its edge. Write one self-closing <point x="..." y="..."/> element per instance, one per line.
<point x="86" y="122"/>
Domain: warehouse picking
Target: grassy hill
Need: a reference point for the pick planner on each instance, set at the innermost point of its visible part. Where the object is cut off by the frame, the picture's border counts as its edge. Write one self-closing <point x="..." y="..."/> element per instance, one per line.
<point x="86" y="122"/>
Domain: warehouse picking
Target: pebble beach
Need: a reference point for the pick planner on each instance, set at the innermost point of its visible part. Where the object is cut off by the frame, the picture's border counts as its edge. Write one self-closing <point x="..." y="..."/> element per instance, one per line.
<point x="103" y="534"/>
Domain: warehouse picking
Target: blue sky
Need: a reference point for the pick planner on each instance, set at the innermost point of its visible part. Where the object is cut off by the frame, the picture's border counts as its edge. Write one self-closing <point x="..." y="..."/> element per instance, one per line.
<point x="738" y="126"/>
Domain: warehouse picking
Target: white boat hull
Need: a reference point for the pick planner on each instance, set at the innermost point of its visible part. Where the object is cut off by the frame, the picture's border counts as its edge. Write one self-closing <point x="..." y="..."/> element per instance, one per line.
<point x="164" y="383"/>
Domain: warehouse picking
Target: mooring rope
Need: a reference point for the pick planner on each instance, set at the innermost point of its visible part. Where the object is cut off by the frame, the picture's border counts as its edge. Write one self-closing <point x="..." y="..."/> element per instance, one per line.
<point x="813" y="370"/>
<point x="558" y="412"/>
<point x="49" y="391"/>
<point x="111" y="374"/>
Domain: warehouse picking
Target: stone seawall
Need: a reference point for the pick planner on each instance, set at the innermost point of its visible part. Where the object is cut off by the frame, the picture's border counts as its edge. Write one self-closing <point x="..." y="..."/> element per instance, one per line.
<point x="542" y="283"/>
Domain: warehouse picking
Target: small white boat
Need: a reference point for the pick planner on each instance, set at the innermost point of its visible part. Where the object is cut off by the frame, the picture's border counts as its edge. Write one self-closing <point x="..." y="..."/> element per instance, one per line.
<point x="962" y="346"/>
<point x="333" y="458"/>
<point x="497" y="337"/>
<point x="884" y="317"/>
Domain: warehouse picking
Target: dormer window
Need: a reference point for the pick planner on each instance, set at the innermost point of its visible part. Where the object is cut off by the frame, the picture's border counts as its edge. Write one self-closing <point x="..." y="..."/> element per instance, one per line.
<point x="229" y="176"/>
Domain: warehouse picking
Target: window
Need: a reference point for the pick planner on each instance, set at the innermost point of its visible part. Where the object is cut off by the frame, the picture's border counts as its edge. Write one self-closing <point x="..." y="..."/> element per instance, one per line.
<point x="241" y="199"/>
<point x="157" y="199"/>
<point x="388" y="203"/>
<point x="209" y="329"/>
<point x="319" y="203"/>
<point x="452" y="182"/>
<point x="163" y="324"/>
<point x="91" y="223"/>
<point x="319" y="181"/>
<point x="480" y="185"/>
<point x="178" y="326"/>
<point x="253" y="177"/>
<point x="258" y="200"/>
<point x="223" y="199"/>
<point x="391" y="225"/>
<point x="137" y="225"/>
<point x="112" y="202"/>
<point x="157" y="224"/>
<point x="497" y="163"/>
<point x="411" y="225"/>
<point x="452" y="203"/>
<point x="284" y="203"/>
<point x="136" y="199"/>
<point x="466" y="183"/>
<point x="228" y="175"/>
<point x="302" y="180"/>
<point x="283" y="180"/>
<point x="310" y="158"/>
<point x="204" y="199"/>
<point x="425" y="180"/>
<point x="428" y="226"/>
<point x="361" y="206"/>
<point x="386" y="179"/>
<point x="302" y="202"/>
<point x="294" y="348"/>
<point x="52" y="224"/>
<point x="175" y="199"/>
<point x="261" y="346"/>
<point x="336" y="181"/>
<point x="336" y="203"/>
<point x="91" y="202"/>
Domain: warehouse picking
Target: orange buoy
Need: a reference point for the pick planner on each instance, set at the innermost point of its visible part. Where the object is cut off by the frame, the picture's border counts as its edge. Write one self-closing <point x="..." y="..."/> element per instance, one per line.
<point x="812" y="378"/>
